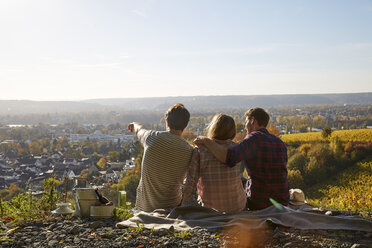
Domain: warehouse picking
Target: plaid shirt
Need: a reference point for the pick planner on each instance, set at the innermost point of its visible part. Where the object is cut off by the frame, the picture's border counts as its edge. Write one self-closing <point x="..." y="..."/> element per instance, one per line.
<point x="265" y="158"/>
<point x="219" y="187"/>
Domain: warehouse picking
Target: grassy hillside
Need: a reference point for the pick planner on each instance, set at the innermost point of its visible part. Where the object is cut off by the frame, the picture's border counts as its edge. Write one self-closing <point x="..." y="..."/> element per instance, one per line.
<point x="350" y="190"/>
<point x="334" y="173"/>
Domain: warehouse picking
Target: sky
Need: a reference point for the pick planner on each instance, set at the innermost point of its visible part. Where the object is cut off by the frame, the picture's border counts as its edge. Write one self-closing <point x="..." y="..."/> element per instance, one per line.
<point x="87" y="49"/>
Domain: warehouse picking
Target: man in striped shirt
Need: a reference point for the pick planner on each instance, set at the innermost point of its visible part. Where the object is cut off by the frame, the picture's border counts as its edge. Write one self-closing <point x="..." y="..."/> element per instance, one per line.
<point x="165" y="161"/>
<point x="264" y="156"/>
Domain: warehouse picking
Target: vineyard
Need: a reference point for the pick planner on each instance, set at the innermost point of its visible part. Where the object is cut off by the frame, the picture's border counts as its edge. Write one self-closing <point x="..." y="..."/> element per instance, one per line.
<point x="351" y="190"/>
<point x="361" y="135"/>
<point x="335" y="172"/>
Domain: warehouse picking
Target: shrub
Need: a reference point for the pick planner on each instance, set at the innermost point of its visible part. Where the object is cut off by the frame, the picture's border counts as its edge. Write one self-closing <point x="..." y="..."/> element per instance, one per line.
<point x="327" y="131"/>
<point x="304" y="149"/>
<point x="130" y="184"/>
<point x="321" y="164"/>
<point x="337" y="147"/>
<point x="295" y="179"/>
<point x="12" y="191"/>
<point x="297" y="162"/>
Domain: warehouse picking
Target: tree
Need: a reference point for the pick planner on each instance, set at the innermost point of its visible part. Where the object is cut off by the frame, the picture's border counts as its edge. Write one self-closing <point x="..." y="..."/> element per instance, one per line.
<point x="189" y="135"/>
<point x="297" y="162"/>
<point x="12" y="191"/>
<point x="240" y="127"/>
<point x="327" y="131"/>
<point x="102" y="162"/>
<point x="114" y="156"/>
<point x="321" y="163"/>
<point x="130" y="184"/>
<point x="240" y="136"/>
<point x="304" y="149"/>
<point x="35" y="147"/>
<point x="273" y="129"/>
<point x="295" y="179"/>
<point x="337" y="147"/>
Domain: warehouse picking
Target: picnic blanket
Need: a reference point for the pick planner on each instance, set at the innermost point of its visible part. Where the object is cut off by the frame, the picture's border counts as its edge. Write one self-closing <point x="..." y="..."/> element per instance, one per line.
<point x="188" y="217"/>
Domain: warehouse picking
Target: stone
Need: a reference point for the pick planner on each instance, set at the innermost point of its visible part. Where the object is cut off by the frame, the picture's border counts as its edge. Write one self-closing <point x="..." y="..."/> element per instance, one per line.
<point x="74" y="230"/>
<point x="52" y="242"/>
<point x="95" y="224"/>
<point x="76" y="240"/>
<point x="36" y="244"/>
<point x="329" y="213"/>
<point x="359" y="246"/>
<point x="289" y="244"/>
<point x="51" y="227"/>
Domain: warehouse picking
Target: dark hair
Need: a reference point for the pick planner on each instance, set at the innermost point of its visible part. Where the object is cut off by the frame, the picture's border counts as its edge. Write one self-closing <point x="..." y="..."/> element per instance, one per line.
<point x="260" y="115"/>
<point x="222" y="127"/>
<point x="177" y="116"/>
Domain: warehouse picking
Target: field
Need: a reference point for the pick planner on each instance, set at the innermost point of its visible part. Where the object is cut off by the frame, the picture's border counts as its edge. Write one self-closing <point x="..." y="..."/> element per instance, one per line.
<point x="361" y="135"/>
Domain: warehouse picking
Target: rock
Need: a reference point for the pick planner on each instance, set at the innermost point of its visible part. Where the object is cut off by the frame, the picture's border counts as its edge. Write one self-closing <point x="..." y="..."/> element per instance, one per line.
<point x="95" y="224"/>
<point x="74" y="230"/>
<point x="51" y="227"/>
<point x="76" y="240"/>
<point x="289" y="244"/>
<point x="3" y="226"/>
<point x="36" y="244"/>
<point x="360" y="246"/>
<point x="52" y="242"/>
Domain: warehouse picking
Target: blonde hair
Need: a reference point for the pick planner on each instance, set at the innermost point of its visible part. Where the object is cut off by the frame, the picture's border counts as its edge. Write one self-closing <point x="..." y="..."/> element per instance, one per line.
<point x="222" y="127"/>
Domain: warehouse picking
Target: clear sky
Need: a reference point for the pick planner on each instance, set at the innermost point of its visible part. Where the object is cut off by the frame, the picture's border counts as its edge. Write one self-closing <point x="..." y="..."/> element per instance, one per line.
<point x="83" y="49"/>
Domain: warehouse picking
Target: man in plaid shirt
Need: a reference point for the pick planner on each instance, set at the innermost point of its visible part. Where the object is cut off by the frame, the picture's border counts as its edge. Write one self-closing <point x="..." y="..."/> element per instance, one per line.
<point x="264" y="156"/>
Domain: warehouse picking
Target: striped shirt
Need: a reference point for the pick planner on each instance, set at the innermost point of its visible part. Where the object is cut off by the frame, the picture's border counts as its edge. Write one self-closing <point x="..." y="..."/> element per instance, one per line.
<point x="219" y="187"/>
<point x="164" y="166"/>
<point x="265" y="158"/>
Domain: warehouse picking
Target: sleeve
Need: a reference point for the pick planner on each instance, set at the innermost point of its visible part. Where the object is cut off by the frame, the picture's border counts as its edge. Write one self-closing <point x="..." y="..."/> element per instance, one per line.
<point x="142" y="135"/>
<point x="245" y="150"/>
<point x="192" y="176"/>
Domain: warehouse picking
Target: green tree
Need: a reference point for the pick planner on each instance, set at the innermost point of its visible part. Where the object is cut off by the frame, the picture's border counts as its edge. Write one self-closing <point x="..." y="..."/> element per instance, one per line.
<point x="12" y="191"/>
<point x="114" y="156"/>
<point x="327" y="131"/>
<point x="295" y="179"/>
<point x="297" y="162"/>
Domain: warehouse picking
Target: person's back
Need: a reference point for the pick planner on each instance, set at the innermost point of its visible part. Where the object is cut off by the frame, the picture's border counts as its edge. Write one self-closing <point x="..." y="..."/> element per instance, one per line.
<point x="219" y="186"/>
<point x="267" y="169"/>
<point x="164" y="165"/>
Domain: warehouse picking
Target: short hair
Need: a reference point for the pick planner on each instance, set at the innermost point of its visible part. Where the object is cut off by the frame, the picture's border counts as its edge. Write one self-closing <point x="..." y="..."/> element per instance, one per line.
<point x="177" y="116"/>
<point x="222" y="127"/>
<point x="260" y="115"/>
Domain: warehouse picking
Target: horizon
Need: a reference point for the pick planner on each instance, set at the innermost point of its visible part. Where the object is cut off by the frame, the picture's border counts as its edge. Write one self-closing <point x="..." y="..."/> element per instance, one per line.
<point x="116" y="98"/>
<point x="65" y="50"/>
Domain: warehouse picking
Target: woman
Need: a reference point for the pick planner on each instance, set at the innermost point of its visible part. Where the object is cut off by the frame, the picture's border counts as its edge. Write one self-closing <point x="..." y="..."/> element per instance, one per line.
<point x="219" y="187"/>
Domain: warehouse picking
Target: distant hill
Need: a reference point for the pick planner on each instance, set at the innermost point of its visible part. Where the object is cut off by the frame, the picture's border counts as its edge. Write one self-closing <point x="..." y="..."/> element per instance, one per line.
<point x="15" y="107"/>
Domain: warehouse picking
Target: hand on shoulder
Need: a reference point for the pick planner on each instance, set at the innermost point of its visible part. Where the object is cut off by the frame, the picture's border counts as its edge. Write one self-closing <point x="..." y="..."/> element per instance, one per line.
<point x="201" y="140"/>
